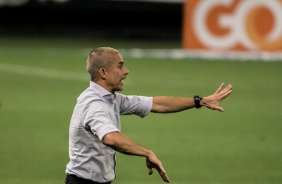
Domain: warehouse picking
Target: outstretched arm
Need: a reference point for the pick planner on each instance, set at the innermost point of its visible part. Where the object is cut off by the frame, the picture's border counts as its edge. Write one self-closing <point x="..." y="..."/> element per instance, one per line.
<point x="168" y="104"/>
<point x="123" y="144"/>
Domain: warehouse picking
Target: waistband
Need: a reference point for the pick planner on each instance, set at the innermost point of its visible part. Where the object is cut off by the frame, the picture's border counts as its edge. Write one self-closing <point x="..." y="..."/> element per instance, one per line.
<point x="75" y="179"/>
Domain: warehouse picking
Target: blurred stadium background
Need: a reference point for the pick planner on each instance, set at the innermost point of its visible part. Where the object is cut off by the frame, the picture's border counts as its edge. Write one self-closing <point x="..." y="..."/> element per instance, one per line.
<point x="107" y="19"/>
<point x="43" y="49"/>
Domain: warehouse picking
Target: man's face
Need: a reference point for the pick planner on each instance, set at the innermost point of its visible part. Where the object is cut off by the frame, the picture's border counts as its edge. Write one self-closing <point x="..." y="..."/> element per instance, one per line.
<point x="115" y="74"/>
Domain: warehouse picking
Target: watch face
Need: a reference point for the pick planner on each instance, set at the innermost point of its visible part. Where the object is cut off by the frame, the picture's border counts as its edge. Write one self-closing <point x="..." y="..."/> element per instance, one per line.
<point x="197" y="100"/>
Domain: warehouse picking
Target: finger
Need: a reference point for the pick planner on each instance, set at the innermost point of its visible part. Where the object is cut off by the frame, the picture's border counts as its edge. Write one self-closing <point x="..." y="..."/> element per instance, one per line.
<point x="163" y="174"/>
<point x="220" y="88"/>
<point x="165" y="177"/>
<point x="226" y="91"/>
<point x="228" y="88"/>
<point x="161" y="169"/>
<point x="224" y="94"/>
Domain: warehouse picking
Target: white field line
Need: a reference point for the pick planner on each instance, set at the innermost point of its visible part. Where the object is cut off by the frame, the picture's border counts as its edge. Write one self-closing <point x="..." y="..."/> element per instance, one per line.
<point x="42" y="72"/>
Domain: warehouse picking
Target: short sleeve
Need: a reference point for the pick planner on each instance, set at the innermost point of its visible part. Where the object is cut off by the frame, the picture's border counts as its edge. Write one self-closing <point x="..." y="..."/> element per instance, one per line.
<point x="98" y="119"/>
<point x="138" y="105"/>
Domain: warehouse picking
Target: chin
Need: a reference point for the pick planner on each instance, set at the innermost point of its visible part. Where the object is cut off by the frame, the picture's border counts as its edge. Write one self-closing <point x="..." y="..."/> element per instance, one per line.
<point x="119" y="89"/>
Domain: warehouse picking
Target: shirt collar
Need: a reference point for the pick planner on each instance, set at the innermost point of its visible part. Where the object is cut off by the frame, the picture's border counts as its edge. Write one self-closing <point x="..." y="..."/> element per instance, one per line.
<point x="102" y="91"/>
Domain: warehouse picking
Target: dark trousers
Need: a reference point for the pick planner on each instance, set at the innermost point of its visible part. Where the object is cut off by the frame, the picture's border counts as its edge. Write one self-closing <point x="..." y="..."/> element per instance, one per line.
<point x="73" y="179"/>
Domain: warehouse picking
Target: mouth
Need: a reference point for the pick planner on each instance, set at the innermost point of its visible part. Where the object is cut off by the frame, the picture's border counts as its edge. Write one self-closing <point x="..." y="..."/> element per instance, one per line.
<point x="121" y="81"/>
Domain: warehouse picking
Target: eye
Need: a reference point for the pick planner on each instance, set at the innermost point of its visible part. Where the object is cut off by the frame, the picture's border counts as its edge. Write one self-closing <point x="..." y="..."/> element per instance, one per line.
<point x="120" y="65"/>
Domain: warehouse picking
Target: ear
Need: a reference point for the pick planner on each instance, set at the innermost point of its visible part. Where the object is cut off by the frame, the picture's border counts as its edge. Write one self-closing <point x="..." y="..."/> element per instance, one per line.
<point x="102" y="73"/>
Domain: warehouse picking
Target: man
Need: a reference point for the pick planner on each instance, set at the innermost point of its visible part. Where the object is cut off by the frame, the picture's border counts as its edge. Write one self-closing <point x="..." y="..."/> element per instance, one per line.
<point x="94" y="133"/>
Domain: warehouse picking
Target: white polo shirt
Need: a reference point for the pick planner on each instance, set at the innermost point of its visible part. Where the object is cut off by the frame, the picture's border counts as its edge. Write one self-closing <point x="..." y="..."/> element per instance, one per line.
<point x="97" y="112"/>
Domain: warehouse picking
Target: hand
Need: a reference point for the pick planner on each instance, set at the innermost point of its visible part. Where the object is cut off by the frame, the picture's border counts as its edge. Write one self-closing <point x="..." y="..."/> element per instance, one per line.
<point x="154" y="162"/>
<point x="213" y="100"/>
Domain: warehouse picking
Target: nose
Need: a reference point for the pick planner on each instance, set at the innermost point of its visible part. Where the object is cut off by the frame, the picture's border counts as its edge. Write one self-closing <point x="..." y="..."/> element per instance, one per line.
<point x="126" y="71"/>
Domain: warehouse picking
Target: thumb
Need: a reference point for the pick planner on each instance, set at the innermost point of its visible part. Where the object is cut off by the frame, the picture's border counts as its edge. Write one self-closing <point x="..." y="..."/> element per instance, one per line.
<point x="214" y="107"/>
<point x="149" y="166"/>
<point x="219" y="109"/>
<point x="150" y="170"/>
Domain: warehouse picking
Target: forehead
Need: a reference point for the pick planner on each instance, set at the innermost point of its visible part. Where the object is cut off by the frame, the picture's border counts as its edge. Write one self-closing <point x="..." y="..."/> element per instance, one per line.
<point x="118" y="59"/>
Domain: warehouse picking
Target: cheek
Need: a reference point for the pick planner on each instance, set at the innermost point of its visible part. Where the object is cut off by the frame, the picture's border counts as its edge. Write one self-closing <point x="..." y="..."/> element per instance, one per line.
<point x="115" y="76"/>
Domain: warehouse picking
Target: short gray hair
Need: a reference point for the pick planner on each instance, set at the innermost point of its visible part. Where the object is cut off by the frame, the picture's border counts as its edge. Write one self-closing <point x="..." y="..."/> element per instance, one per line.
<point x="101" y="57"/>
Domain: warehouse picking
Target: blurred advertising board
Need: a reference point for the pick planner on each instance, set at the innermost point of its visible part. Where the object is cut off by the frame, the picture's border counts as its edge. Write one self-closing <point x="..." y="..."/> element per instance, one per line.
<point x="233" y="25"/>
<point x="14" y="3"/>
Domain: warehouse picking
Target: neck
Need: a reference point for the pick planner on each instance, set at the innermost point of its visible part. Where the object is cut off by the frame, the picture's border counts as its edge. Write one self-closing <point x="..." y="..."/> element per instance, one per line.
<point x="102" y="84"/>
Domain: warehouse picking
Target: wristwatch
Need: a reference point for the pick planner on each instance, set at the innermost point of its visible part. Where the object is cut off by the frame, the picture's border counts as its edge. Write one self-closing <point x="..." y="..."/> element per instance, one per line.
<point x="197" y="100"/>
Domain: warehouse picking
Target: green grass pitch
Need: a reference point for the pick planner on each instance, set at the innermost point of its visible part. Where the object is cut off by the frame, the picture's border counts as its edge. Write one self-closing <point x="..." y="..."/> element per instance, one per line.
<point x="40" y="81"/>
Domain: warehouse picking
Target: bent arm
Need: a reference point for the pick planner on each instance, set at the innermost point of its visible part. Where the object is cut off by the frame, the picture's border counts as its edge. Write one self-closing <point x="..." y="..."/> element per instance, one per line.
<point x="123" y="144"/>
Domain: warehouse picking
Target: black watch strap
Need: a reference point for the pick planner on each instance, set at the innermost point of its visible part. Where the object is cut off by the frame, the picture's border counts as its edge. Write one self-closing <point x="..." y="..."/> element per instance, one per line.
<point x="197" y="100"/>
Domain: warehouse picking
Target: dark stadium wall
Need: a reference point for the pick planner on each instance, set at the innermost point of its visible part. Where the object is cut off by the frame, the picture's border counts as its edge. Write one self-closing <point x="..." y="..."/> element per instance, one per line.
<point x="93" y="18"/>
